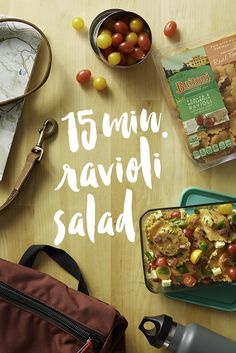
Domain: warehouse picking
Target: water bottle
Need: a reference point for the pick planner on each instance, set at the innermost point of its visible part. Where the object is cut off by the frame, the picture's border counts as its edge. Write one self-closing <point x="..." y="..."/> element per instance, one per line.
<point x="177" y="338"/>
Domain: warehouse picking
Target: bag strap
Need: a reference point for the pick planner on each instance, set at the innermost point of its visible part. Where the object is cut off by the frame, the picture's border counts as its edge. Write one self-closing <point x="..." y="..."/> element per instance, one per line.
<point x="48" y="68"/>
<point x="60" y="257"/>
<point x="49" y="128"/>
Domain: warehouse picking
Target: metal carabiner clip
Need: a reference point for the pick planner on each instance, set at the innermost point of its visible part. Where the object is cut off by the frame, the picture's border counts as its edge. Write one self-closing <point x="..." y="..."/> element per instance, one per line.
<point x="48" y="129"/>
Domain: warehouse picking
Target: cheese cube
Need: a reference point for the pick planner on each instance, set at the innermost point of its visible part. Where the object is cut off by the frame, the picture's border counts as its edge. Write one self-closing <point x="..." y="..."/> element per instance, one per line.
<point x="153" y="274"/>
<point x="219" y="244"/>
<point x="216" y="271"/>
<point x="158" y="214"/>
<point x="166" y="283"/>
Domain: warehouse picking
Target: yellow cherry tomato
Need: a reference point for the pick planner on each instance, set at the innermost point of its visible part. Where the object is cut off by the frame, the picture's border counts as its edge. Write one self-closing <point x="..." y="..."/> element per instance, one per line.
<point x="78" y="23"/>
<point x="106" y="31"/>
<point x="104" y="41"/>
<point x="99" y="83"/>
<point x="114" y="58"/>
<point x="195" y="256"/>
<point x="132" y="37"/>
<point x="136" y="25"/>
<point x="225" y="209"/>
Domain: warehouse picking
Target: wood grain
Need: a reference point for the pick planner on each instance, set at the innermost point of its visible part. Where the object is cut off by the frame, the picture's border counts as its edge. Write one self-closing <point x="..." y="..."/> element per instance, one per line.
<point x="112" y="266"/>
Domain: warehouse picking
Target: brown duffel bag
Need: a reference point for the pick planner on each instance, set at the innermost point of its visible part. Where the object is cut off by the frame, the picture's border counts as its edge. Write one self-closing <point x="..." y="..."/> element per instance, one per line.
<point x="39" y="314"/>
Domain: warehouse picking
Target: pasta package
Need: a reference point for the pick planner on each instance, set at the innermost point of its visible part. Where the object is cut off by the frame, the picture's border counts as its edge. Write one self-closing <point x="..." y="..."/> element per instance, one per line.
<point x="188" y="247"/>
<point x="201" y="85"/>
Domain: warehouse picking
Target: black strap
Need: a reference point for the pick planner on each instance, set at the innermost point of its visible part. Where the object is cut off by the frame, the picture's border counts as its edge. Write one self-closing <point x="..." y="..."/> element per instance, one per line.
<point x="60" y="257"/>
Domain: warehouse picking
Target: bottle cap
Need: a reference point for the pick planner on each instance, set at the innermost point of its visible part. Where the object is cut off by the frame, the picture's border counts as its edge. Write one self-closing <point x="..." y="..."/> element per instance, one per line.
<point x="161" y="326"/>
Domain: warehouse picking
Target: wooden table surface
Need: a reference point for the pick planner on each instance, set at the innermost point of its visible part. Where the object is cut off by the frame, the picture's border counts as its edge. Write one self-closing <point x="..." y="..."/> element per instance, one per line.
<point x="112" y="264"/>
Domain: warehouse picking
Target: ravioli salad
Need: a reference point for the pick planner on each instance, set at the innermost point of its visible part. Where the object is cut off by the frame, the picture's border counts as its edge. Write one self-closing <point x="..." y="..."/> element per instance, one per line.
<point x="186" y="249"/>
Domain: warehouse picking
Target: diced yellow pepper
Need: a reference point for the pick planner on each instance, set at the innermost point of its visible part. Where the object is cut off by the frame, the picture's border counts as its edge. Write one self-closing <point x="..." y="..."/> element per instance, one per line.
<point x="195" y="256"/>
<point x="225" y="209"/>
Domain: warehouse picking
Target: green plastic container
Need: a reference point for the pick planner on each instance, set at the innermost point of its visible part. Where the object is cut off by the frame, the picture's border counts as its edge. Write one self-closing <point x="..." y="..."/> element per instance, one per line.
<point x="225" y="296"/>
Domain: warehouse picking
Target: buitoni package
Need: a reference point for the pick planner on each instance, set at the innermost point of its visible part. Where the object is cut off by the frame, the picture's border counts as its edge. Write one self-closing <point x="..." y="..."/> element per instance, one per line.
<point x="200" y="84"/>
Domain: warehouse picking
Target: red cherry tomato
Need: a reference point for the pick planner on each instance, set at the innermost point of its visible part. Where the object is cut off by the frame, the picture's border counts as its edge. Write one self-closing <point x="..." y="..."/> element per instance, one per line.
<point x="153" y="265"/>
<point x="144" y="42"/>
<point x="231" y="249"/>
<point x="83" y="76"/>
<point x="200" y="119"/>
<point x="189" y="280"/>
<point x="208" y="123"/>
<point x="126" y="47"/>
<point x="176" y="214"/>
<point x="145" y="34"/>
<point x="188" y="232"/>
<point x="232" y="273"/>
<point x="117" y="39"/>
<point x="138" y="53"/>
<point x="121" y="27"/>
<point x="109" y="24"/>
<point x="123" y="60"/>
<point x="131" y="59"/>
<point x="170" y="28"/>
<point x="106" y="52"/>
<point x="161" y="261"/>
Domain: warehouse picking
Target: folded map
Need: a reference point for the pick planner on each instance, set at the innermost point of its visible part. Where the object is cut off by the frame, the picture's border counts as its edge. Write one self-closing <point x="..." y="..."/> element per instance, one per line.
<point x="19" y="45"/>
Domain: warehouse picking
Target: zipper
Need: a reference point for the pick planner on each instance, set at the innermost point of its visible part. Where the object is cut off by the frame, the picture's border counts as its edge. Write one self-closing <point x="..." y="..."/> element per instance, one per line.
<point x="86" y="347"/>
<point x="89" y="338"/>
